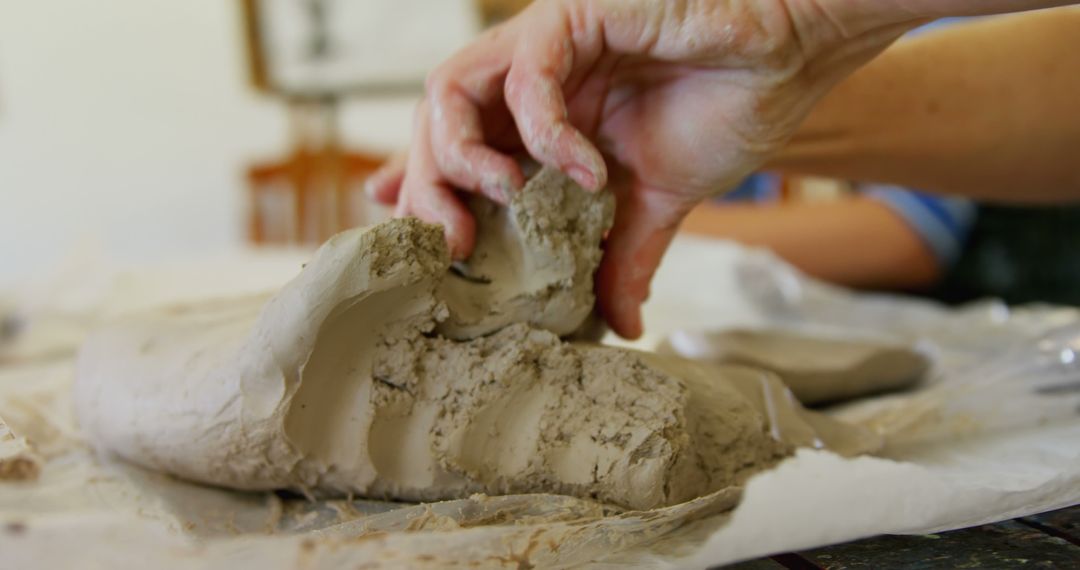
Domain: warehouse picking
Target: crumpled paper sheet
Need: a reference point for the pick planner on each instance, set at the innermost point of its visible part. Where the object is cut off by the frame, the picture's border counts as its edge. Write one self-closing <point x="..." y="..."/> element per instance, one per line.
<point x="994" y="434"/>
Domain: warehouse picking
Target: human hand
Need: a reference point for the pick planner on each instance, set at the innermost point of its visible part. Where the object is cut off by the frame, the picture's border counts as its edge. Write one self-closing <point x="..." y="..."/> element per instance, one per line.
<point x="664" y="102"/>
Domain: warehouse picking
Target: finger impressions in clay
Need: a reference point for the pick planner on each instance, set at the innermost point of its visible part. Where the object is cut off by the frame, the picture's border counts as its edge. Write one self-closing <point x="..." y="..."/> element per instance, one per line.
<point x="351" y="380"/>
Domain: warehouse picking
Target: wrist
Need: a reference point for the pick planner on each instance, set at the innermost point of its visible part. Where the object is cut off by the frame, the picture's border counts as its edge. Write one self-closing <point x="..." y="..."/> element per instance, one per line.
<point x="838" y="36"/>
<point x="852" y="19"/>
<point x="829" y="26"/>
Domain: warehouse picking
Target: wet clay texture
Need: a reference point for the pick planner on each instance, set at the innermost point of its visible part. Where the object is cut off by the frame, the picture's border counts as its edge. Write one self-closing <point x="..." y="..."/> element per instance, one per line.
<point x="816" y="369"/>
<point x="382" y="371"/>
<point x="533" y="262"/>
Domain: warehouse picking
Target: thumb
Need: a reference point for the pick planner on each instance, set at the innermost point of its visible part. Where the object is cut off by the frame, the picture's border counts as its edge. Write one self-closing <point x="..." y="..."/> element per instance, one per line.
<point x="645" y="223"/>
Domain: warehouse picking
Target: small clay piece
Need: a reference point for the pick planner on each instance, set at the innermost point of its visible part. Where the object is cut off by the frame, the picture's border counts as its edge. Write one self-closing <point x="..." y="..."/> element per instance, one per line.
<point x="817" y="369"/>
<point x="18" y="461"/>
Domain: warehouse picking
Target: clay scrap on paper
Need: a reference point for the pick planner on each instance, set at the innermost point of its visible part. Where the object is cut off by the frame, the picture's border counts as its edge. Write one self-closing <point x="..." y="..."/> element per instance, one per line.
<point x="18" y="461"/>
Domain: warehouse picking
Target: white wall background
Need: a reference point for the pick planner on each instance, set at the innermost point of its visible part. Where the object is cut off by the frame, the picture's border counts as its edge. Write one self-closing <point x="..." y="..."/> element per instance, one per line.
<point x="130" y="123"/>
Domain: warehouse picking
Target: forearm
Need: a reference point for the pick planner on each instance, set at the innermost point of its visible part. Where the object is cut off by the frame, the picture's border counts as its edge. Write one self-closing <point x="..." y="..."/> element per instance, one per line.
<point x="987" y="109"/>
<point x="857" y="242"/>
<point x="856" y="17"/>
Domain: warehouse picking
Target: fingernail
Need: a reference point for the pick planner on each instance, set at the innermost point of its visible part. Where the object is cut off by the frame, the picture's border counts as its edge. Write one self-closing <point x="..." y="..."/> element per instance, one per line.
<point x="500" y="189"/>
<point x="496" y="192"/>
<point x="457" y="253"/>
<point x="583" y="177"/>
<point x="509" y="188"/>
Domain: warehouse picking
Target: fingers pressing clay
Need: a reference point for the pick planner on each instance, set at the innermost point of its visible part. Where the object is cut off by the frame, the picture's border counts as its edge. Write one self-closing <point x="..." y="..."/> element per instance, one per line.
<point x="426" y="195"/>
<point x="438" y="204"/>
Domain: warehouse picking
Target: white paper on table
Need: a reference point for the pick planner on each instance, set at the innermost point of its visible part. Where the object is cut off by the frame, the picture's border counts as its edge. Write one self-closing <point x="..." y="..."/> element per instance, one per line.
<point x="986" y="445"/>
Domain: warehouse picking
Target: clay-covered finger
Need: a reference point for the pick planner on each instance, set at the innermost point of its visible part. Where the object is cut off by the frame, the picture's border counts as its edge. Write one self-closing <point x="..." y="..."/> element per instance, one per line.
<point x="645" y="223"/>
<point x="456" y="91"/>
<point x="428" y="196"/>
<point x="543" y="60"/>
<point x="460" y="151"/>
<point x="438" y="204"/>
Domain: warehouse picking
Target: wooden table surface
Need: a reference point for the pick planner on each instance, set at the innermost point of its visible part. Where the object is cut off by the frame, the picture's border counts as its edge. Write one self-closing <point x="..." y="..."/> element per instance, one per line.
<point x="1049" y="540"/>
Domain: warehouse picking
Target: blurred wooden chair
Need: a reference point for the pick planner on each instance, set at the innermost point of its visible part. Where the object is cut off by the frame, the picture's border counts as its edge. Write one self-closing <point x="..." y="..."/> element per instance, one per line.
<point x="317" y="190"/>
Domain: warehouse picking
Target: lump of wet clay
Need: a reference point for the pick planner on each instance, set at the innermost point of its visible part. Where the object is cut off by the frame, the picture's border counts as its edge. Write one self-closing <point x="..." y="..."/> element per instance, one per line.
<point x="344" y="382"/>
<point x="520" y="411"/>
<point x="817" y="369"/>
<point x="533" y="262"/>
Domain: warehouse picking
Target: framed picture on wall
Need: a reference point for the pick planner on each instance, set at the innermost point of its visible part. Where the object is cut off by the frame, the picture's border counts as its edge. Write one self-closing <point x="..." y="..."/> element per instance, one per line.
<point x="313" y="48"/>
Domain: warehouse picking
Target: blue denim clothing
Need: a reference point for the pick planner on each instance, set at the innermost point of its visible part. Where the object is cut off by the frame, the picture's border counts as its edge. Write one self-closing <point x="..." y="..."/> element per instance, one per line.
<point x="943" y="223"/>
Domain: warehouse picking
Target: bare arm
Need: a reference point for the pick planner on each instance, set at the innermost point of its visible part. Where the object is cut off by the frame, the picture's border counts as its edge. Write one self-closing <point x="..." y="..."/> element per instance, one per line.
<point x="856" y="242"/>
<point x="989" y="109"/>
